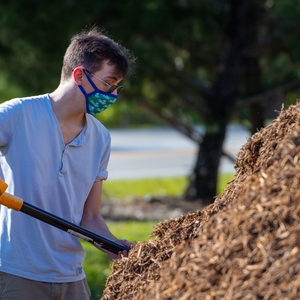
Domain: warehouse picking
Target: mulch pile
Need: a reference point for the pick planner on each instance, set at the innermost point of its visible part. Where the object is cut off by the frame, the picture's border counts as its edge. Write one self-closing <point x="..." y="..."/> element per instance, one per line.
<point x="243" y="246"/>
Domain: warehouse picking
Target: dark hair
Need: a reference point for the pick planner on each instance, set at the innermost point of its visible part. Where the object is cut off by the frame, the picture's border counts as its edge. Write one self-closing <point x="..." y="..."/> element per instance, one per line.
<point x="90" y="49"/>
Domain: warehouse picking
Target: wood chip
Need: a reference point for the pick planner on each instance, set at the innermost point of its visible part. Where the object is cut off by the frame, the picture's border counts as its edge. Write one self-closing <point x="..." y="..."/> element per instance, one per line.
<point x="243" y="246"/>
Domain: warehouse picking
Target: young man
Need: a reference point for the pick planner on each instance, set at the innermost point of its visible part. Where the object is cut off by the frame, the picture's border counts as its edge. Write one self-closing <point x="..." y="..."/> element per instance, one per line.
<point x="54" y="155"/>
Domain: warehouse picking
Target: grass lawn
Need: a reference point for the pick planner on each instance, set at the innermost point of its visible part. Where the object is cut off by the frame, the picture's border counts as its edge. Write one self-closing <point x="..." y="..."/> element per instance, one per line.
<point x="96" y="264"/>
<point x="173" y="186"/>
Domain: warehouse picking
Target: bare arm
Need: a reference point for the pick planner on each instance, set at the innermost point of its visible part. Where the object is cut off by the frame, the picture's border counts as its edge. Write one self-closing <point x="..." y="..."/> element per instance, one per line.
<point x="93" y="221"/>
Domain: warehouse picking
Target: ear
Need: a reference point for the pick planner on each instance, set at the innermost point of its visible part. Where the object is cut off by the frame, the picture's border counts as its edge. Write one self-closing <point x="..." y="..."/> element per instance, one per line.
<point x="78" y="75"/>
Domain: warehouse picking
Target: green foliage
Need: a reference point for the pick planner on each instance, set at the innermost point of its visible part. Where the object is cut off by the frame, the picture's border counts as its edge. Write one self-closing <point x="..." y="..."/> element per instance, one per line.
<point x="7" y="90"/>
<point x="179" y="47"/>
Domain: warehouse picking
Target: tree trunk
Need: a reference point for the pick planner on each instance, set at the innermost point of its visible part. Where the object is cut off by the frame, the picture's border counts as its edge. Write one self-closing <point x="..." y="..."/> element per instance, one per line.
<point x="256" y="117"/>
<point x="203" y="181"/>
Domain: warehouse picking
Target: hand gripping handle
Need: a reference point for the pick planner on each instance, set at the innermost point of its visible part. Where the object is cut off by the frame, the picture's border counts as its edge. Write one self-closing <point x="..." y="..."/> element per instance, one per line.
<point x="9" y="200"/>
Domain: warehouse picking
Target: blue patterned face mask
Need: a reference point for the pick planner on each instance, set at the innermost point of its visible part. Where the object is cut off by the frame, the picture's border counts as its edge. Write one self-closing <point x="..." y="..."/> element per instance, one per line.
<point x="97" y="101"/>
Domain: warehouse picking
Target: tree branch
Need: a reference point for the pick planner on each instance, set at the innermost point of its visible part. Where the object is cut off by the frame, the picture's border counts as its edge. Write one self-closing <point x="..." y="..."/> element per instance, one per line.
<point x="174" y="122"/>
<point x="186" y="130"/>
<point x="194" y="102"/>
<point x="261" y="43"/>
<point x="206" y="92"/>
<point x="282" y="89"/>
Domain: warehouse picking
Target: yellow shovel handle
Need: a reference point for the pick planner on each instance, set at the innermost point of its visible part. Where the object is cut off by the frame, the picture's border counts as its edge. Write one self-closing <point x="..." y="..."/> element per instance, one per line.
<point x="9" y="200"/>
<point x="3" y="187"/>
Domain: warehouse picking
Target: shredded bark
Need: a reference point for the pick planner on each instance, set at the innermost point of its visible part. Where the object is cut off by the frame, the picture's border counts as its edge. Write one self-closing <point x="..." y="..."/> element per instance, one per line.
<point x="243" y="246"/>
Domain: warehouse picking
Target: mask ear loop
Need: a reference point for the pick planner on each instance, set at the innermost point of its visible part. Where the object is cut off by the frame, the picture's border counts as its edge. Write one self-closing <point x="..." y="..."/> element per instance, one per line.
<point x="85" y="93"/>
<point x="86" y="99"/>
<point x="89" y="79"/>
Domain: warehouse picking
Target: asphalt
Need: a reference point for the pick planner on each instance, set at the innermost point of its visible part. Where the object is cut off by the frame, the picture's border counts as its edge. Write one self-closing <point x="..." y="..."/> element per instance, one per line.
<point x="162" y="152"/>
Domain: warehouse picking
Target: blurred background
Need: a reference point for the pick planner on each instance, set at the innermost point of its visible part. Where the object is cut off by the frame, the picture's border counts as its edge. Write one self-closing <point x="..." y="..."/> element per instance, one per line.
<point x="202" y="66"/>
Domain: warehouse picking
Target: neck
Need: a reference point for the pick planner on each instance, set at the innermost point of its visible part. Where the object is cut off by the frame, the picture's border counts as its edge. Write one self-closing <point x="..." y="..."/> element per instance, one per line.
<point x="69" y="107"/>
<point x="68" y="102"/>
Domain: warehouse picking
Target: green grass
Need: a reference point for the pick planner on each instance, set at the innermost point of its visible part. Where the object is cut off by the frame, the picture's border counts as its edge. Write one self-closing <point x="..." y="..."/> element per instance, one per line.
<point x="96" y="264"/>
<point x="174" y="186"/>
<point x="126" y="189"/>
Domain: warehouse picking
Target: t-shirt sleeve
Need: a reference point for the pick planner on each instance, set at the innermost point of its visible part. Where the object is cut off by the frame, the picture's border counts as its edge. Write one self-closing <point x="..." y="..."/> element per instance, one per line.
<point x="10" y="112"/>
<point x="103" y="173"/>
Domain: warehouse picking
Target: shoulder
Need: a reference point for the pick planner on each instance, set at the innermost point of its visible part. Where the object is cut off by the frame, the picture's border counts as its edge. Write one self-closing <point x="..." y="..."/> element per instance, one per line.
<point x="35" y="100"/>
<point x="11" y="108"/>
<point x="9" y="104"/>
<point x="28" y="101"/>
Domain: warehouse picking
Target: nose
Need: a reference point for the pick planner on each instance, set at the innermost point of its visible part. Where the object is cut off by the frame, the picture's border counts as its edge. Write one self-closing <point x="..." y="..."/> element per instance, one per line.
<point x="115" y="92"/>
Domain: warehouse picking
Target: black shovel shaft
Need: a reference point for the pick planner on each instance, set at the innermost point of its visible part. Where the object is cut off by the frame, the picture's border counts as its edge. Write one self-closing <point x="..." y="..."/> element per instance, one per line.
<point x="71" y="228"/>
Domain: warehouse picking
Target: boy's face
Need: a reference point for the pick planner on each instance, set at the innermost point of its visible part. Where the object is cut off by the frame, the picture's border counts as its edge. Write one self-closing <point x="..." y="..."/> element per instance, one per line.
<point x="106" y="80"/>
<point x="100" y="91"/>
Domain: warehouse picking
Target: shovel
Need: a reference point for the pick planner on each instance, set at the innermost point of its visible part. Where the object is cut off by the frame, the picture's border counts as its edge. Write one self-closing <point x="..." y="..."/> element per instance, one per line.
<point x="18" y="204"/>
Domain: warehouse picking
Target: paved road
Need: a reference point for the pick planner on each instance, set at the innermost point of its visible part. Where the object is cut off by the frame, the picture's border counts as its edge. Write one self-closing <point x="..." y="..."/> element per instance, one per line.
<point x="142" y="153"/>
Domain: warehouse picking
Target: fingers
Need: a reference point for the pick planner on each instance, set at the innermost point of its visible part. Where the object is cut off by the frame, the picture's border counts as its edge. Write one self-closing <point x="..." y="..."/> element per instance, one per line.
<point x="126" y="243"/>
<point x="123" y="253"/>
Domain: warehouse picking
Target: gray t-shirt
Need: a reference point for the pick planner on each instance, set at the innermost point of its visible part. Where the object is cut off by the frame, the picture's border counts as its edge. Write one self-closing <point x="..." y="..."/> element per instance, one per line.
<point x="39" y="168"/>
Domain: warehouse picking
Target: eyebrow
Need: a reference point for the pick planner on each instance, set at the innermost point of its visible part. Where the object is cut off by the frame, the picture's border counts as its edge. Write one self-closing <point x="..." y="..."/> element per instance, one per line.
<point x="112" y="77"/>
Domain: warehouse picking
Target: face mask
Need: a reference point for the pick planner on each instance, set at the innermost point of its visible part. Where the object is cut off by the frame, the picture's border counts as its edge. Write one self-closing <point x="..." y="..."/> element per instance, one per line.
<point x="97" y="101"/>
